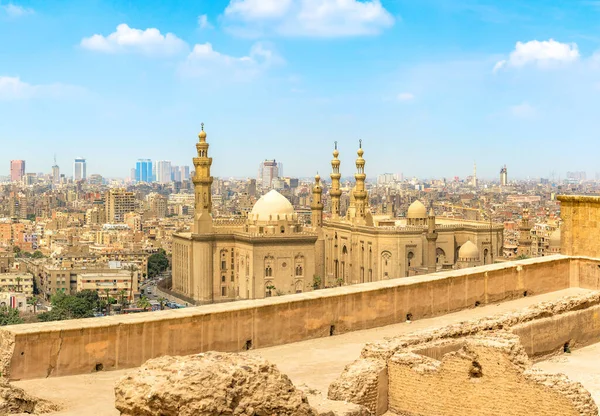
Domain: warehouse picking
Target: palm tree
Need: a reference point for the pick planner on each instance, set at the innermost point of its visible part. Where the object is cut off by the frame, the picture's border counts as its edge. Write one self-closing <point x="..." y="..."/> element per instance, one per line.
<point x="107" y="291"/>
<point x="132" y="269"/>
<point x="143" y="303"/>
<point x="33" y="301"/>
<point x="122" y="294"/>
<point x="18" y="279"/>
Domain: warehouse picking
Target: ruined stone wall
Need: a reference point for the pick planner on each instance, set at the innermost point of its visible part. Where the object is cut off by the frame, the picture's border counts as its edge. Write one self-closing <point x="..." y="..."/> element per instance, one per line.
<point x="580" y="230"/>
<point x="486" y="377"/>
<point x="542" y="329"/>
<point x="79" y="346"/>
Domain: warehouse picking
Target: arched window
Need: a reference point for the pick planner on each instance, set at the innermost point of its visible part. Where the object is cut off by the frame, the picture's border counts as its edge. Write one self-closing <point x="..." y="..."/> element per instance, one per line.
<point x="268" y="271"/>
<point x="409" y="257"/>
<point x="386" y="264"/>
<point x="440" y="255"/>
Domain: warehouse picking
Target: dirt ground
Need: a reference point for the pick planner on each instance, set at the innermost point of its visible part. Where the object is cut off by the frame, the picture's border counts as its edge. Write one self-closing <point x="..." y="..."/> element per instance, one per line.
<point x="315" y="363"/>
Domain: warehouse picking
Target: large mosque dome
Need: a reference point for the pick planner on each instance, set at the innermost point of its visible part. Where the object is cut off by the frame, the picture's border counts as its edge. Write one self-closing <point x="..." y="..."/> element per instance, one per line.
<point x="416" y="210"/>
<point x="468" y="251"/>
<point x="272" y="207"/>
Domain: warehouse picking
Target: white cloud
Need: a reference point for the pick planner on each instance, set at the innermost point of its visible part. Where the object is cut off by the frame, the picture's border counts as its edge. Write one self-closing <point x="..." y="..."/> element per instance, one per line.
<point x="523" y="110"/>
<point x="203" y="22"/>
<point x="258" y="9"/>
<point x="12" y="88"/>
<point x="125" y="39"/>
<point x="543" y="54"/>
<point x="13" y="10"/>
<point x="406" y="96"/>
<point x="312" y="18"/>
<point x="204" y="60"/>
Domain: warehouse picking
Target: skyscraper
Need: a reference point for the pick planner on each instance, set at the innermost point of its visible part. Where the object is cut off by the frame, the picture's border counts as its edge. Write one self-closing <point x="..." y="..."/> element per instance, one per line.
<point x="143" y="170"/>
<point x="55" y="172"/>
<point x="268" y="170"/>
<point x="79" y="169"/>
<point x="503" y="176"/>
<point x="118" y="202"/>
<point x="17" y="170"/>
<point x="163" y="171"/>
<point x="185" y="173"/>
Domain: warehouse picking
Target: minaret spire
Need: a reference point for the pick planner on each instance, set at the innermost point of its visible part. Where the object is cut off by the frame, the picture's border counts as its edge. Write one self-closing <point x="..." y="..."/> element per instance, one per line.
<point x="360" y="193"/>
<point x="202" y="186"/>
<point x="335" y="192"/>
<point x="317" y="203"/>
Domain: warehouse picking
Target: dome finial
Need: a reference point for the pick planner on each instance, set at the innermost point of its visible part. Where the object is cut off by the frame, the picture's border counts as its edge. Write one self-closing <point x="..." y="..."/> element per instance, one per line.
<point x="202" y="125"/>
<point x="335" y="145"/>
<point x="360" y="143"/>
<point x="202" y="134"/>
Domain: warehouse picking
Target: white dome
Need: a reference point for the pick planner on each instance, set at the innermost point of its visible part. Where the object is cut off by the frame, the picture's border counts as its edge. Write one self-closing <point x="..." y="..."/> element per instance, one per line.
<point x="468" y="251"/>
<point x="416" y="210"/>
<point x="555" y="238"/>
<point x="270" y="206"/>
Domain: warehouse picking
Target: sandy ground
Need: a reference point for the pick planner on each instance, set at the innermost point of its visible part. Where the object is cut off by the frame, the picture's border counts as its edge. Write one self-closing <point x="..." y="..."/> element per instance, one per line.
<point x="315" y="362"/>
<point x="580" y="365"/>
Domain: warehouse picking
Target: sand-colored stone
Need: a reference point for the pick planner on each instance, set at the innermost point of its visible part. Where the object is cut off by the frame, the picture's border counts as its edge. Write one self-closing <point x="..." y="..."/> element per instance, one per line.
<point x="14" y="401"/>
<point x="209" y="384"/>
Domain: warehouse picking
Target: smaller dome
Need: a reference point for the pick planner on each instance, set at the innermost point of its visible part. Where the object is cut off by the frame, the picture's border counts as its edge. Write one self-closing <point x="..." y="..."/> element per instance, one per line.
<point x="271" y="205"/>
<point x="468" y="251"/>
<point x="555" y="239"/>
<point x="416" y="210"/>
<point x="202" y="134"/>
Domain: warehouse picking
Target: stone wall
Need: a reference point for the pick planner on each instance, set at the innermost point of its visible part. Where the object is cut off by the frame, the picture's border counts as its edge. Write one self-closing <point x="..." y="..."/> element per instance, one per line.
<point x="580" y="230"/>
<point x="540" y="329"/>
<point x="115" y="342"/>
<point x="487" y="376"/>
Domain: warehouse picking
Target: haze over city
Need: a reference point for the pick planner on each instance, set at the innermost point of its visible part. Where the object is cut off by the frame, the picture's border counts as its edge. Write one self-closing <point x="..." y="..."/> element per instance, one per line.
<point x="115" y="82"/>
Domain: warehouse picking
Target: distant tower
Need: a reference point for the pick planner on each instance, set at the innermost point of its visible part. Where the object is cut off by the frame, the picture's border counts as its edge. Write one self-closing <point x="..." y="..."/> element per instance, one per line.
<point x="524" y="248"/>
<point x="317" y="203"/>
<point x="202" y="187"/>
<point x="17" y="170"/>
<point x="503" y="176"/>
<point x="432" y="236"/>
<point x="361" y="201"/>
<point x="474" y="180"/>
<point x="79" y="169"/>
<point x="334" y="191"/>
<point x="55" y="172"/>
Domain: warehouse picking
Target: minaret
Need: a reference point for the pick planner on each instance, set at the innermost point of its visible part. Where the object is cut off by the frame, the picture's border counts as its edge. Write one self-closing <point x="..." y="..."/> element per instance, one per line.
<point x="334" y="191"/>
<point x="524" y="248"/>
<point x="317" y="203"/>
<point x="360" y="194"/>
<point x="431" y="239"/>
<point x="202" y="187"/>
<point x="474" y="183"/>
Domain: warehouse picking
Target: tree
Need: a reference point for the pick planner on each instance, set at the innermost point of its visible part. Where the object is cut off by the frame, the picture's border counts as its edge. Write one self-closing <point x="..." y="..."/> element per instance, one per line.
<point x="162" y="302"/>
<point x="81" y="305"/>
<point x="157" y="263"/>
<point x="33" y="301"/>
<point x="316" y="282"/>
<point x="270" y="288"/>
<point x="37" y="254"/>
<point x="9" y="316"/>
<point x="522" y="257"/>
<point x="18" y="280"/>
<point x="143" y="303"/>
<point x="132" y="269"/>
<point x="122" y="295"/>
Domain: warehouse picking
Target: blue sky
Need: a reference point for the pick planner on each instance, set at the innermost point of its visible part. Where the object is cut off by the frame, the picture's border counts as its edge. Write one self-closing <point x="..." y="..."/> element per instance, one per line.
<point x="429" y="86"/>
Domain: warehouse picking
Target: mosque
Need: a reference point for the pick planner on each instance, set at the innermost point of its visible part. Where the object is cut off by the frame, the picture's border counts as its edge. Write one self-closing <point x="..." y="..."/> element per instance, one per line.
<point x="271" y="252"/>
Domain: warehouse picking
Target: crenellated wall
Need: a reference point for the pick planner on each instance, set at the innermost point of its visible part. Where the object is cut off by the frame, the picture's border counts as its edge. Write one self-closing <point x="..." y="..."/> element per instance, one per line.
<point x="81" y="346"/>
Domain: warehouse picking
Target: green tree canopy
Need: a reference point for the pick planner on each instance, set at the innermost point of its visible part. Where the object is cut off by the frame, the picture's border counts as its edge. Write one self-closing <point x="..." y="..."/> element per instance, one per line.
<point x="157" y="263"/>
<point x="9" y="316"/>
<point x="81" y="305"/>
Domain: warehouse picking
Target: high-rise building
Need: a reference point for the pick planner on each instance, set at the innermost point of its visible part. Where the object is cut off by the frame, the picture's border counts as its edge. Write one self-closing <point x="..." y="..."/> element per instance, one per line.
<point x="118" y="202"/>
<point x="163" y="171"/>
<point x="55" y="174"/>
<point x="175" y="174"/>
<point x="143" y="170"/>
<point x="268" y="170"/>
<point x="158" y="205"/>
<point x="185" y="173"/>
<point x="386" y="178"/>
<point x="17" y="170"/>
<point x="79" y="169"/>
<point x="503" y="176"/>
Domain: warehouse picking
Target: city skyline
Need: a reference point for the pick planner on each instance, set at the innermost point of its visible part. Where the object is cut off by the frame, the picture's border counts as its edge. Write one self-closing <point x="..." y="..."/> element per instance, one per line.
<point x="426" y="97"/>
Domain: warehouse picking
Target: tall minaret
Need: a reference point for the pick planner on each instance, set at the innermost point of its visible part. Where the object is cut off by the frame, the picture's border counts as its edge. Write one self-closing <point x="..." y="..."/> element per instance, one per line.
<point x="360" y="194"/>
<point x="474" y="181"/>
<point x="431" y="239"/>
<point x="334" y="191"/>
<point x="317" y="203"/>
<point x="202" y="187"/>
